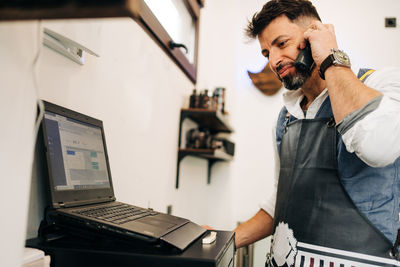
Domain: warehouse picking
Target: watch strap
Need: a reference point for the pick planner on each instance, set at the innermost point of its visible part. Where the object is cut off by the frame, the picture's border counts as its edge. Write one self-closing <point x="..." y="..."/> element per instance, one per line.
<point x="325" y="65"/>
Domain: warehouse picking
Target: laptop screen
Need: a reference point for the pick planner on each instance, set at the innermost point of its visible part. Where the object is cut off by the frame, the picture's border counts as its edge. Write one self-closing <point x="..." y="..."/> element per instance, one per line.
<point x="77" y="160"/>
<point x="76" y="154"/>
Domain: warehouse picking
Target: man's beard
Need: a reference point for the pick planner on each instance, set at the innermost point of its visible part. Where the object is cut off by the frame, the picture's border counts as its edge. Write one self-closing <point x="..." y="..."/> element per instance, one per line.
<point x="294" y="82"/>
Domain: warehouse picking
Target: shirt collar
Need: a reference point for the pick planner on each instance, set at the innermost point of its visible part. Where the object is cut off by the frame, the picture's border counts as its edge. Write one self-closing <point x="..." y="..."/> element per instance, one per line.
<point x="292" y="100"/>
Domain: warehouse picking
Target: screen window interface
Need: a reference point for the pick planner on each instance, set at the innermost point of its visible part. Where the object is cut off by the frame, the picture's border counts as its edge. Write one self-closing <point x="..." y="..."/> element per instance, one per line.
<point x="76" y="153"/>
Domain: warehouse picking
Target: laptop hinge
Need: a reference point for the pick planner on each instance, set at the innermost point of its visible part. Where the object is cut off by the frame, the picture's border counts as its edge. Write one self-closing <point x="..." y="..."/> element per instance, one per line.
<point x="81" y="203"/>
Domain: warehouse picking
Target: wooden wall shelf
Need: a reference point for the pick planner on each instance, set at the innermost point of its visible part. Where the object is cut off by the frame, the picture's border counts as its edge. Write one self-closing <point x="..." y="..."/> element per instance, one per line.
<point x="215" y="122"/>
<point x="216" y="154"/>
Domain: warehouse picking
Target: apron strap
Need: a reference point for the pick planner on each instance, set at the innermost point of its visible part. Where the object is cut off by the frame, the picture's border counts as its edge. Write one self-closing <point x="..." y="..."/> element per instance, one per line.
<point x="364" y="74"/>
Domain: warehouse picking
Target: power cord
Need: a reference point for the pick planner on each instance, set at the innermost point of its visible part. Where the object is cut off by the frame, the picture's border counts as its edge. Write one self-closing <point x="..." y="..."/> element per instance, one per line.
<point x="35" y="64"/>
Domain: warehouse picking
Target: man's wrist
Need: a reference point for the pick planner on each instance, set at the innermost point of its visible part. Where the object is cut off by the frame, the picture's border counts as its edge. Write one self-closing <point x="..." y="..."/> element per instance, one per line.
<point x="337" y="71"/>
<point x="337" y="58"/>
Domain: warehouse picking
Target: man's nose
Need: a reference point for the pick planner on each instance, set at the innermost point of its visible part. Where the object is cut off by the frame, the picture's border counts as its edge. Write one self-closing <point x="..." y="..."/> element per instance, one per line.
<point x="275" y="60"/>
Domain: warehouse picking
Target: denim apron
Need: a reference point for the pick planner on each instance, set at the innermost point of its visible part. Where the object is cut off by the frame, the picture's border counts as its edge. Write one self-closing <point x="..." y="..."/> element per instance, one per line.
<point x="315" y="222"/>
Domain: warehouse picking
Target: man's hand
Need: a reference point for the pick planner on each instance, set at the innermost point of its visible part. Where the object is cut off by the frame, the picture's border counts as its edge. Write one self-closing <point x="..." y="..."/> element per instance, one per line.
<point x="346" y="92"/>
<point x="207" y="227"/>
<point x="322" y="39"/>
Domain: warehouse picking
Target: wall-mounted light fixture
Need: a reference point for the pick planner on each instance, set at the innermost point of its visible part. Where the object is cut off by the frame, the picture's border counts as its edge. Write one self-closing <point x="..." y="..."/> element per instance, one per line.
<point x="66" y="46"/>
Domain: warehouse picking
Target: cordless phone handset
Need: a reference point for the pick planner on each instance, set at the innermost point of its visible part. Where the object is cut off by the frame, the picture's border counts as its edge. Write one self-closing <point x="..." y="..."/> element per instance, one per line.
<point x="305" y="61"/>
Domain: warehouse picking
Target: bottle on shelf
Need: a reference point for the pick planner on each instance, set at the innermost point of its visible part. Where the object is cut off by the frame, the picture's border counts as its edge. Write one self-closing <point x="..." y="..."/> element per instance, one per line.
<point x="219" y="99"/>
<point x="193" y="99"/>
<point x="223" y="101"/>
<point x="201" y="100"/>
<point x="206" y="99"/>
<point x="215" y="99"/>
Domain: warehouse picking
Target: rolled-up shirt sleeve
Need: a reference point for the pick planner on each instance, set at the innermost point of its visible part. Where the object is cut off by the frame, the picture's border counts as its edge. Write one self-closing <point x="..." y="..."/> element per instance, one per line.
<point x="268" y="205"/>
<point x="373" y="132"/>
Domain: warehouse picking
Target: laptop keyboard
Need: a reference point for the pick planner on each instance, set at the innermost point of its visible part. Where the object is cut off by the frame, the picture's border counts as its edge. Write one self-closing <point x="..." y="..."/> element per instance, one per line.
<point x="118" y="214"/>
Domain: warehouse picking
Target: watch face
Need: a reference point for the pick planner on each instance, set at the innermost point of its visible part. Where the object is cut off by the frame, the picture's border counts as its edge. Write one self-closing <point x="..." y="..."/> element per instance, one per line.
<point x="341" y="58"/>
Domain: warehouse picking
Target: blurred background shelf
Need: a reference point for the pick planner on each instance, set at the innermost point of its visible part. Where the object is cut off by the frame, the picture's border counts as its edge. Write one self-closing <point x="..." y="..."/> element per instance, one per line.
<point x="215" y="154"/>
<point x="215" y="122"/>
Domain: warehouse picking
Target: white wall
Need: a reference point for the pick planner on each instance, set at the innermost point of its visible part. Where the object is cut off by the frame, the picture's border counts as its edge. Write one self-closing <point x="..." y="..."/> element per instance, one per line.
<point x="17" y="109"/>
<point x="360" y="30"/>
<point x="137" y="91"/>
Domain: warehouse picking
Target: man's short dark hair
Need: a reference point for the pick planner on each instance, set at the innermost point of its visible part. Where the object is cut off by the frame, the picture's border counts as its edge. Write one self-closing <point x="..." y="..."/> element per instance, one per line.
<point x="293" y="9"/>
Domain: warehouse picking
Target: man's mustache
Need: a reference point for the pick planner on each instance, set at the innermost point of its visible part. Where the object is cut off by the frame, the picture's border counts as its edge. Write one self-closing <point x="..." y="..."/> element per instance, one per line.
<point x="282" y="65"/>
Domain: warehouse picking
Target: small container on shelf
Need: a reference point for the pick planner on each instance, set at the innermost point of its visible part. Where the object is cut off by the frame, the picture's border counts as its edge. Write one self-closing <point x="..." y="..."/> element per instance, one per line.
<point x="206" y="100"/>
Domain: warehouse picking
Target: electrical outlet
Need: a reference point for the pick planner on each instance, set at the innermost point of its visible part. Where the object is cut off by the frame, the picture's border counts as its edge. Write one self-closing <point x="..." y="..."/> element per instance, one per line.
<point x="169" y="209"/>
<point x="390" y="22"/>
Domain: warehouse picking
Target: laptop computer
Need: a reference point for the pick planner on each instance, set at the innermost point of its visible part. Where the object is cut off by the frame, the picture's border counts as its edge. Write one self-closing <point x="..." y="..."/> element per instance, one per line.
<point x="81" y="187"/>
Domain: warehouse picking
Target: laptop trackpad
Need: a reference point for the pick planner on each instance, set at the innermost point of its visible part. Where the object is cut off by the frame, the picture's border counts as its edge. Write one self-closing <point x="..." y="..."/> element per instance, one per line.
<point x="156" y="222"/>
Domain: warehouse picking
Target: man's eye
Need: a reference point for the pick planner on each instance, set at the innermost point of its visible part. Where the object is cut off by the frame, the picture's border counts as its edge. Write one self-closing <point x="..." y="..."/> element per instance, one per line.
<point x="282" y="43"/>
